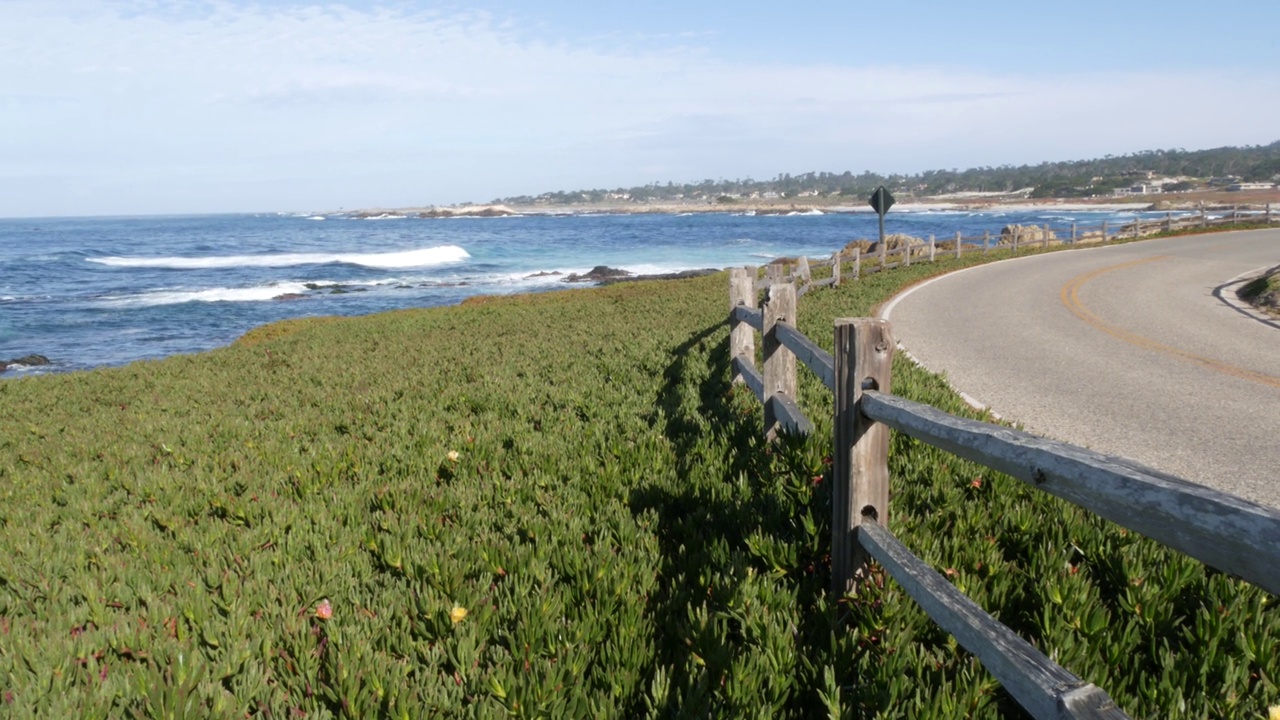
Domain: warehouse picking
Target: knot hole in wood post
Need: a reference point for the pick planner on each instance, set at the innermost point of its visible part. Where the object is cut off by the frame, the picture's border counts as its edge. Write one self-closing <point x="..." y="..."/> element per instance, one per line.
<point x="863" y="362"/>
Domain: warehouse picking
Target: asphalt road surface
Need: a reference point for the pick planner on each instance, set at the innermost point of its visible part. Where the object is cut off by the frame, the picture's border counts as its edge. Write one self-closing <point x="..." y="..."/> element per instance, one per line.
<point x="1140" y="350"/>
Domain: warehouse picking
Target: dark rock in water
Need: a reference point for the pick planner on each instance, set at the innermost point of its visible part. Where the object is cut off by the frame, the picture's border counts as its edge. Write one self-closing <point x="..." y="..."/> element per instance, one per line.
<point x="339" y="290"/>
<point x="597" y="274"/>
<point x="544" y="273"/>
<point x="27" y="361"/>
<point x="682" y="275"/>
<point x="312" y="286"/>
<point x="290" y="296"/>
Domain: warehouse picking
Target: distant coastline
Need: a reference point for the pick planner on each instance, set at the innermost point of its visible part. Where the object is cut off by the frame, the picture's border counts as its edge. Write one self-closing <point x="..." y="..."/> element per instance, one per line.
<point x="958" y="202"/>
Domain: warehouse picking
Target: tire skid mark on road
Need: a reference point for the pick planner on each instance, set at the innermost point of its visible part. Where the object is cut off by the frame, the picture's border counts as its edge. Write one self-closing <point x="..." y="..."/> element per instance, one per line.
<point x="1070" y="296"/>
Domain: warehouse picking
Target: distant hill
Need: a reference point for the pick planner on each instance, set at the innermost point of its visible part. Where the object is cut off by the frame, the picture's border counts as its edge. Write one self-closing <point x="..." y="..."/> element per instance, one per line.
<point x="1078" y="178"/>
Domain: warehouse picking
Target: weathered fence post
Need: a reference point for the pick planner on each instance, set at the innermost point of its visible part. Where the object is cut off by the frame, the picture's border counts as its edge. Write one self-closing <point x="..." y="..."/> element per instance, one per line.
<point x="1044" y="241"/>
<point x="1235" y="214"/>
<point x="932" y="249"/>
<point x="958" y="244"/>
<point x="1204" y="219"/>
<point x="1168" y="222"/>
<point x="742" y="337"/>
<point x="857" y="262"/>
<point x="1104" y="231"/>
<point x="1073" y="232"/>
<point x="1268" y="213"/>
<point x="1017" y="230"/>
<point x="779" y="362"/>
<point x="884" y="246"/>
<point x="986" y="241"/>
<point x="860" y="466"/>
<point x="802" y="270"/>
<point x="835" y="269"/>
<point x="906" y="253"/>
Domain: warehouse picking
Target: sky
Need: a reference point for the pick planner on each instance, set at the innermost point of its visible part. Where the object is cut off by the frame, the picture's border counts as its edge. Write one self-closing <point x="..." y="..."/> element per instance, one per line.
<point x="127" y="107"/>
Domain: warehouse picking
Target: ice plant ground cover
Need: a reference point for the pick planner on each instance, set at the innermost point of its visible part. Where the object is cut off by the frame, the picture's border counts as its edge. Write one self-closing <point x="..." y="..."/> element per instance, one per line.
<point x="543" y="506"/>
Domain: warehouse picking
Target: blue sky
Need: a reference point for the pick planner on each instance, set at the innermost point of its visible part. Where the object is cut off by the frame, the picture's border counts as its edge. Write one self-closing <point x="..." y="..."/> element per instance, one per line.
<point x="176" y="106"/>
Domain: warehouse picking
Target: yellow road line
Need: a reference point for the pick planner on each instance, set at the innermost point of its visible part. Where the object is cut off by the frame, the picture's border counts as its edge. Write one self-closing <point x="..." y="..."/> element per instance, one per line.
<point x="1070" y="296"/>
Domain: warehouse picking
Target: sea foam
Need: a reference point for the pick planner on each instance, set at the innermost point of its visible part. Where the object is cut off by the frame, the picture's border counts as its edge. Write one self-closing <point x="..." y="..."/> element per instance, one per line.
<point x="175" y="297"/>
<point x="424" y="257"/>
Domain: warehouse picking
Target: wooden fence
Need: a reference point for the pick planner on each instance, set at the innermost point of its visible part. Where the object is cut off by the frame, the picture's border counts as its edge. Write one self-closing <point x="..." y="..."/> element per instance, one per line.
<point x="1229" y="533"/>
<point x="852" y="263"/>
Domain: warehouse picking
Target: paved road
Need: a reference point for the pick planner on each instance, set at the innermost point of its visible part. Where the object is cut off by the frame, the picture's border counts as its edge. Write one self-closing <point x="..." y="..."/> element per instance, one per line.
<point x="1128" y="350"/>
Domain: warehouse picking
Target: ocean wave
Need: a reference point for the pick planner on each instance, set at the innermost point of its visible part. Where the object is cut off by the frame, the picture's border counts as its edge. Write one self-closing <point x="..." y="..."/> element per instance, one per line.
<point x="423" y="257"/>
<point x="176" y="297"/>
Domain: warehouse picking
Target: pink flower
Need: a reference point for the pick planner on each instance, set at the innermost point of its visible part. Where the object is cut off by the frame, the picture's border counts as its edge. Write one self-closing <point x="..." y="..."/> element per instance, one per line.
<point x="324" y="610"/>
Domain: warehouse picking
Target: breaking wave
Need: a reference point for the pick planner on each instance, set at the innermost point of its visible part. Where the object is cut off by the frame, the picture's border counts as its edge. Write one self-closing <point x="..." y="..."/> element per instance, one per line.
<point x="424" y="257"/>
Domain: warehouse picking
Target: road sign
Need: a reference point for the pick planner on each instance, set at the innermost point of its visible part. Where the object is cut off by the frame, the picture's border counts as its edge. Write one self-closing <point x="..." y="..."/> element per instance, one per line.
<point x="881" y="200"/>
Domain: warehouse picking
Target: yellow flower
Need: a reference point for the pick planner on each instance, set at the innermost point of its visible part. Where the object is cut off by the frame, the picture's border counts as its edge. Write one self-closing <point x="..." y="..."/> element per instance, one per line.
<point x="457" y="614"/>
<point x="453" y="456"/>
<point x="1274" y="713"/>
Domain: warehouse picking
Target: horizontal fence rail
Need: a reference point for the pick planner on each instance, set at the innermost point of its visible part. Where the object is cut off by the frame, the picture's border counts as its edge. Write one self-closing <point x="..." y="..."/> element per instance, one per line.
<point x="1221" y="530"/>
<point x="1041" y="686"/>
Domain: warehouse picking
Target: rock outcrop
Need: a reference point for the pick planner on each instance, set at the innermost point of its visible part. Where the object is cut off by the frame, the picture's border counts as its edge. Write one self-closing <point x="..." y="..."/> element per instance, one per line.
<point x="26" y="361"/>
<point x="682" y="275"/>
<point x="1025" y="234"/>
<point x="892" y="242"/>
<point x="596" y="274"/>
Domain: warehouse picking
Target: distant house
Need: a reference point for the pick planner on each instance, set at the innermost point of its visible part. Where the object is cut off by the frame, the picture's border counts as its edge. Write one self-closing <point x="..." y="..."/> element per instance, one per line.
<point x="1143" y="189"/>
<point x="1237" y="187"/>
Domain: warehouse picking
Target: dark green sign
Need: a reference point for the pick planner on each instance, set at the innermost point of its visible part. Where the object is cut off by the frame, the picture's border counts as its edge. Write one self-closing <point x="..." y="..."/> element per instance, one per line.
<point x="881" y="200"/>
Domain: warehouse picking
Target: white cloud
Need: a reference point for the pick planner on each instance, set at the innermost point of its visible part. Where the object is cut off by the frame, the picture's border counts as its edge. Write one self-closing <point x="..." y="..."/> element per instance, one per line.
<point x="191" y="106"/>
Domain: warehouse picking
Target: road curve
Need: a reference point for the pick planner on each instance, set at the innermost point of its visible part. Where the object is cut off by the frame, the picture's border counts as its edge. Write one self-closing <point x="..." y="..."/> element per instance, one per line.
<point x="1130" y="350"/>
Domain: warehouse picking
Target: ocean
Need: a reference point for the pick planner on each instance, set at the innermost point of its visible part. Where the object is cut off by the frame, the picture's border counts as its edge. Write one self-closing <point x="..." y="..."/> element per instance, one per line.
<point x="92" y="292"/>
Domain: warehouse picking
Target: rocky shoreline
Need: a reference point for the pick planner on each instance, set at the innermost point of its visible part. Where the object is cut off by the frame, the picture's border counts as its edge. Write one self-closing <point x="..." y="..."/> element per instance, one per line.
<point x="25" y="361"/>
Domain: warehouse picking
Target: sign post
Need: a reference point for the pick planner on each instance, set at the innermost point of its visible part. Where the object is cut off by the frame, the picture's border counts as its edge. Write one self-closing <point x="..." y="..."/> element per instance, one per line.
<point x="881" y="200"/>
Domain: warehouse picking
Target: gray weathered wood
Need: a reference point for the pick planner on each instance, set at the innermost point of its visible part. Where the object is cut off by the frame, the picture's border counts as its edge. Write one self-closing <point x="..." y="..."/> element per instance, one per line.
<point x="1042" y="687"/>
<point x="824" y="282"/>
<point x="1044" y="239"/>
<point x="932" y="248"/>
<point x="860" y="460"/>
<point x="1168" y="222"/>
<point x="750" y="375"/>
<point x="835" y="268"/>
<point x="1219" y="529"/>
<point x="857" y="262"/>
<point x="986" y="241"/>
<point x="754" y="318"/>
<point x="1104" y="231"/>
<point x="802" y="270"/>
<point x="1073" y="232"/>
<point x="1017" y="230"/>
<point x="906" y="253"/>
<point x="779" y="361"/>
<point x="959" y="243"/>
<point x="742" y="337"/>
<point x="791" y="419"/>
<point x="807" y="352"/>
<point x="1235" y="213"/>
<point x="1204" y="219"/>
